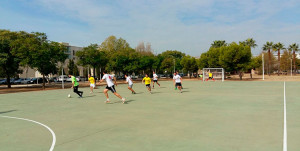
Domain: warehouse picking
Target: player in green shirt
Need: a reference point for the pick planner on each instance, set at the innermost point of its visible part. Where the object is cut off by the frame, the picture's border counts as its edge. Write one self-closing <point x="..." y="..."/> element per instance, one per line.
<point x="75" y="85"/>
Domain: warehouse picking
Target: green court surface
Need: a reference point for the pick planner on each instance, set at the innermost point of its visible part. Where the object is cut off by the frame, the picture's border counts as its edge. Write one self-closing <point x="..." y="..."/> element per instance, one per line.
<point x="209" y="116"/>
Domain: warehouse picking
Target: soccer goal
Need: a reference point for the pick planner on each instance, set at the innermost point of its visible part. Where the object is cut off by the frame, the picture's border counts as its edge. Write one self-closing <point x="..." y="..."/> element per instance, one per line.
<point x="216" y="73"/>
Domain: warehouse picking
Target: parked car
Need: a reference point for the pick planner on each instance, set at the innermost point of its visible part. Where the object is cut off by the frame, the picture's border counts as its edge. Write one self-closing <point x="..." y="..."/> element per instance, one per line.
<point x="52" y="79"/>
<point x="3" y="81"/>
<point x="36" y="80"/>
<point x="25" y="81"/>
<point x="62" y="78"/>
<point x="70" y="80"/>
<point x="18" y="81"/>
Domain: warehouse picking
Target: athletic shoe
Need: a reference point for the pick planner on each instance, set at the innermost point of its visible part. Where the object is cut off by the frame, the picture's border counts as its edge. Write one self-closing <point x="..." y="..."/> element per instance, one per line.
<point x="107" y="101"/>
<point x="123" y="100"/>
<point x="134" y="93"/>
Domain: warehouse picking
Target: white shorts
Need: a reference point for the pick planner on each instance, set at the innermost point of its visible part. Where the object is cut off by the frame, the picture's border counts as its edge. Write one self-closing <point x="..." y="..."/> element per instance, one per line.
<point x="92" y="85"/>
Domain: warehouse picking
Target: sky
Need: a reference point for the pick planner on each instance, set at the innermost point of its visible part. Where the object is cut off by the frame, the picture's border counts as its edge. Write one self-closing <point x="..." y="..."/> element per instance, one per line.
<point x="189" y="26"/>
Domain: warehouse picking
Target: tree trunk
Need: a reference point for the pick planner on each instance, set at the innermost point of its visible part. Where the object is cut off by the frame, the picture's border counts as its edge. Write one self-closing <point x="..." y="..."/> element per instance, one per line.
<point x="251" y="73"/>
<point x="8" y="81"/>
<point x="278" y="61"/>
<point x="43" y="82"/>
<point x="240" y="75"/>
<point x="269" y="63"/>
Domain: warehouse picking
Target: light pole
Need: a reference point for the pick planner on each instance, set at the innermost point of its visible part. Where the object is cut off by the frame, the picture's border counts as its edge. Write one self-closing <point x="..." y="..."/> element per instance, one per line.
<point x="62" y="81"/>
<point x="263" y="66"/>
<point x="291" y="68"/>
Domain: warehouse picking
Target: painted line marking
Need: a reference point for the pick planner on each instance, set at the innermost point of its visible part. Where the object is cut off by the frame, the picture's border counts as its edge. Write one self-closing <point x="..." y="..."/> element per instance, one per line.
<point x="49" y="129"/>
<point x="284" y="123"/>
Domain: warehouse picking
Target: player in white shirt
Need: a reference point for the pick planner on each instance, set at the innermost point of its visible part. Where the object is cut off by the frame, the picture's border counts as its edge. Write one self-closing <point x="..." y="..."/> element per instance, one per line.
<point x="177" y="80"/>
<point x="155" y="77"/>
<point x="110" y="86"/>
<point x="130" y="83"/>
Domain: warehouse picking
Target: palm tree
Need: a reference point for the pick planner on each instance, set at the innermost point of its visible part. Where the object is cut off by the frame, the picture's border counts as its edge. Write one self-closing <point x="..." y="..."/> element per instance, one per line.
<point x="277" y="47"/>
<point x="294" y="47"/>
<point x="267" y="47"/>
<point x="252" y="44"/>
<point x="218" y="43"/>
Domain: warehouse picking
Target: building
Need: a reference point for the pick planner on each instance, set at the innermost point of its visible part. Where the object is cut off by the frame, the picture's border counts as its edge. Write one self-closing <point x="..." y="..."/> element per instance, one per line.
<point x="71" y="51"/>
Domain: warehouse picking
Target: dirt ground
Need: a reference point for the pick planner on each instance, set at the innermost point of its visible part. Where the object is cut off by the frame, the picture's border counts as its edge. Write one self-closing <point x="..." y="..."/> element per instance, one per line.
<point x="52" y="86"/>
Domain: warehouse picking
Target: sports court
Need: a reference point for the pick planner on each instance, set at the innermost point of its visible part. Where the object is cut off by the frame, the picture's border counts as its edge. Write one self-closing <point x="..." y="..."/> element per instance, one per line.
<point x="208" y="116"/>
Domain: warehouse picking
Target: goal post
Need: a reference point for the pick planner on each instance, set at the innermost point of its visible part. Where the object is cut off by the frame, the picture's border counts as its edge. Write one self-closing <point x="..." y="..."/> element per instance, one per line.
<point x="217" y="73"/>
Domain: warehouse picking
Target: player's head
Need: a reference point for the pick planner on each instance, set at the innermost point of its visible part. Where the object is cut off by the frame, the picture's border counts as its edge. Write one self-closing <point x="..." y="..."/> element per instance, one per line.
<point x="89" y="75"/>
<point x="175" y="73"/>
<point x="153" y="72"/>
<point x="104" y="71"/>
<point x="125" y="75"/>
<point x="70" y="75"/>
<point x="146" y="75"/>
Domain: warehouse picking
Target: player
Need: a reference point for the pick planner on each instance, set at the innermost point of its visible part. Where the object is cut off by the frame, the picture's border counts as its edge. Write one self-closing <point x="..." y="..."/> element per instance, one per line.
<point x="130" y="83"/>
<point x="110" y="86"/>
<point x="92" y="83"/>
<point x="155" y="79"/>
<point x="147" y="81"/>
<point x="177" y="80"/>
<point x="75" y="85"/>
<point x="210" y="76"/>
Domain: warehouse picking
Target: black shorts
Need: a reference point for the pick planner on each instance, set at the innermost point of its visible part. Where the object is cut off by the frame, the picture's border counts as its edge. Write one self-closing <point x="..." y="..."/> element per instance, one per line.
<point x="148" y="85"/>
<point x="155" y="81"/>
<point x="210" y="78"/>
<point x="112" y="88"/>
<point x="178" y="84"/>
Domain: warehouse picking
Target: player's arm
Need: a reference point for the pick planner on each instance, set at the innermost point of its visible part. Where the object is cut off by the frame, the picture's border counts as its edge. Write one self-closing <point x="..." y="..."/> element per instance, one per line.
<point x="115" y="80"/>
<point x="143" y="81"/>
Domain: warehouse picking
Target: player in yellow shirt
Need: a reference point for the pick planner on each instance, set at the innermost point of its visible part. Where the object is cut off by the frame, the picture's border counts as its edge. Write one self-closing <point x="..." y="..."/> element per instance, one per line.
<point x="92" y="83"/>
<point x="210" y="76"/>
<point x="147" y="81"/>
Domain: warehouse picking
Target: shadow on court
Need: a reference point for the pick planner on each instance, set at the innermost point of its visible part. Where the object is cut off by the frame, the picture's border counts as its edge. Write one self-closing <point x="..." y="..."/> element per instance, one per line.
<point x="7" y="111"/>
<point x="89" y="96"/>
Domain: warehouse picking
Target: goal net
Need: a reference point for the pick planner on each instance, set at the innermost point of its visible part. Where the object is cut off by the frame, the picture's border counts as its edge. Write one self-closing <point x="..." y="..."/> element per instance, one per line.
<point x="216" y="73"/>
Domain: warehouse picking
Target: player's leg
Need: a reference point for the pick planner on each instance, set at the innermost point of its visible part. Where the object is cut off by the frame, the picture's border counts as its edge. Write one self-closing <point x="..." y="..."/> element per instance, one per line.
<point x="106" y="94"/>
<point x="75" y="90"/>
<point x="148" y="87"/>
<point x="91" y="87"/>
<point x="130" y="88"/>
<point x="179" y="87"/>
<point x="113" y="90"/>
<point x="158" y="83"/>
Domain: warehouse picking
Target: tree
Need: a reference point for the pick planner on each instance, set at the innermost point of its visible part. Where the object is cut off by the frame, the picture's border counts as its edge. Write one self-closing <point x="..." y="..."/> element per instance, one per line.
<point x="92" y="56"/>
<point x="46" y="56"/>
<point x="9" y="54"/>
<point x="189" y="64"/>
<point x="235" y="57"/>
<point x="173" y="55"/>
<point x="277" y="47"/>
<point x="73" y="69"/>
<point x="252" y="44"/>
<point x="267" y="47"/>
<point x="286" y="60"/>
<point x="294" y="48"/>
<point x="218" y="43"/>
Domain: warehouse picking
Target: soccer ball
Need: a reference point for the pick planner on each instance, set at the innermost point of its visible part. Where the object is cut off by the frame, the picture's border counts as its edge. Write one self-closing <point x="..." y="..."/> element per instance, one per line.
<point x="69" y="95"/>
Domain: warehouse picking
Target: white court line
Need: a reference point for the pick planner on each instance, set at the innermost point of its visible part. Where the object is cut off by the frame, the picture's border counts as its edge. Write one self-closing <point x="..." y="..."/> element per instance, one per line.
<point x="53" y="134"/>
<point x="284" y="123"/>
